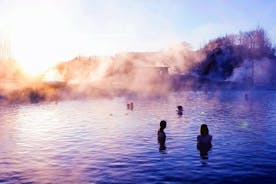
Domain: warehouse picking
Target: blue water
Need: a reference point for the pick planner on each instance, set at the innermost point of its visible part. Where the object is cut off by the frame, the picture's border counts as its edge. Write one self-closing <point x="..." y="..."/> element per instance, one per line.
<point x="100" y="141"/>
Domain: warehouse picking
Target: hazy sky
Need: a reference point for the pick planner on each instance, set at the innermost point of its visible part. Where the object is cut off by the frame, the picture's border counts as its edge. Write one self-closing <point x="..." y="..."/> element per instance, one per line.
<point x="62" y="29"/>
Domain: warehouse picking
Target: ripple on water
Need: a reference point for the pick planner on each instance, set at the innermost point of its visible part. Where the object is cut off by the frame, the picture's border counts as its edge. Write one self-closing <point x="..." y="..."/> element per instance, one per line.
<point x="99" y="141"/>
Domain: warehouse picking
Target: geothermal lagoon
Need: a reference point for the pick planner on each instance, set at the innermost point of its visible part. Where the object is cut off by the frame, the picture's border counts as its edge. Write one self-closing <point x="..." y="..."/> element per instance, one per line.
<point x="85" y="84"/>
<point x="98" y="140"/>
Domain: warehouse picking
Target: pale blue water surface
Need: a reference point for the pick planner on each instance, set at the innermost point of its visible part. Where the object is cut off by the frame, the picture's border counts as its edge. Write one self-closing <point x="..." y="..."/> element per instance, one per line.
<point x="100" y="141"/>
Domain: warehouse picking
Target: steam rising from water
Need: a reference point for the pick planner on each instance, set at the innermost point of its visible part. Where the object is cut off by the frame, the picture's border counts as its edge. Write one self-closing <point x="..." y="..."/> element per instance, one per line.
<point x="258" y="72"/>
<point x="146" y="73"/>
<point x="136" y="73"/>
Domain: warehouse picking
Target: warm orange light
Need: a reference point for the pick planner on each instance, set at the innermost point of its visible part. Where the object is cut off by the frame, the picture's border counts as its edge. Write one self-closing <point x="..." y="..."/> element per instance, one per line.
<point x="36" y="36"/>
<point x="52" y="75"/>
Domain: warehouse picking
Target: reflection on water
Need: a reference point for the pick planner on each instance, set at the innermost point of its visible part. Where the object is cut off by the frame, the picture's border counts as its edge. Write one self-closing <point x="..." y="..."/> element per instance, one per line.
<point x="100" y="141"/>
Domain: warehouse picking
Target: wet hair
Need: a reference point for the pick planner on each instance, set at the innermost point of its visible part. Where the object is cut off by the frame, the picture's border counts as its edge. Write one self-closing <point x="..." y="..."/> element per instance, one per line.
<point x="204" y="130"/>
<point x="180" y="108"/>
<point x="163" y="124"/>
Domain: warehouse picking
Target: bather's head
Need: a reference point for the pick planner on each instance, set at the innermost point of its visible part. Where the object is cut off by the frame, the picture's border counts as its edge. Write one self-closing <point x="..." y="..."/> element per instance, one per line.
<point x="163" y="124"/>
<point x="180" y="108"/>
<point x="204" y="130"/>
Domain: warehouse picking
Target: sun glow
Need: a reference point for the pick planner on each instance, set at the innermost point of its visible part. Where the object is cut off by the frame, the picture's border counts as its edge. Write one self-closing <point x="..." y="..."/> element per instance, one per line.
<point x="37" y="34"/>
<point x="43" y="33"/>
<point x="52" y="75"/>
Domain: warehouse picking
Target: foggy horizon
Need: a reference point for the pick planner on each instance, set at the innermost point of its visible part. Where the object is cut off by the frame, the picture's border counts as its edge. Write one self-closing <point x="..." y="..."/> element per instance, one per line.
<point x="137" y="91"/>
<point x="99" y="45"/>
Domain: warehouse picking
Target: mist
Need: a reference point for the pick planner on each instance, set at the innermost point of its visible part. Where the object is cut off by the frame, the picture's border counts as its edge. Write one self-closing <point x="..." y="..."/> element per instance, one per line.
<point x="123" y="74"/>
<point x="140" y="73"/>
<point x="243" y="60"/>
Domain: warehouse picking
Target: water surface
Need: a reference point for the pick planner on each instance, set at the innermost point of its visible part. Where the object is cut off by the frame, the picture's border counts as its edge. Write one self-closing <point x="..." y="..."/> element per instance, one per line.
<point x="100" y="141"/>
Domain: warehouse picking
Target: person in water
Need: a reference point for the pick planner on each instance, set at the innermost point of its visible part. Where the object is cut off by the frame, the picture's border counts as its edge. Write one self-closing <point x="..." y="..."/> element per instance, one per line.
<point x="161" y="135"/>
<point x="130" y="106"/>
<point x="204" y="141"/>
<point x="179" y="110"/>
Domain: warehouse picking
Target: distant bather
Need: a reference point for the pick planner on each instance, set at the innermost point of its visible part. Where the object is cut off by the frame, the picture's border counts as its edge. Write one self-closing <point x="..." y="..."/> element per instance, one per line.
<point x="179" y="110"/>
<point x="204" y="141"/>
<point x="130" y="106"/>
<point x="161" y="135"/>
